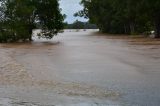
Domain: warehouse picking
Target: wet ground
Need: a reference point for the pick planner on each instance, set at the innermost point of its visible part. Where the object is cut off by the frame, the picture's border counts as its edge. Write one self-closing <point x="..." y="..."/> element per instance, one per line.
<point x="80" y="69"/>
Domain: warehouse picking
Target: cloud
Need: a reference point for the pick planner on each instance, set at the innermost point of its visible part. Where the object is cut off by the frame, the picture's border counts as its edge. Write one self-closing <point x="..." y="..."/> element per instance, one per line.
<point x="69" y="7"/>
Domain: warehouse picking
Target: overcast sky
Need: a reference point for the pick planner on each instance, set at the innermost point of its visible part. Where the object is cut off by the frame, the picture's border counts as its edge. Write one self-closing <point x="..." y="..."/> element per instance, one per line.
<point x="69" y="7"/>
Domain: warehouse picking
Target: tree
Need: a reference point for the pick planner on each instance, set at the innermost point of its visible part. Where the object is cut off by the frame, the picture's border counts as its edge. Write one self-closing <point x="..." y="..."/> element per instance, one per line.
<point x="152" y="9"/>
<point x="49" y="17"/>
<point x="123" y="16"/>
<point x="80" y="25"/>
<point x="22" y="16"/>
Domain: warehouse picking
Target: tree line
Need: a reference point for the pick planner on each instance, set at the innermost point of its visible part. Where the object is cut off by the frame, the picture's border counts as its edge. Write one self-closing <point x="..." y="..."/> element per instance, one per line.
<point x="19" y="17"/>
<point x="123" y="16"/>
<point x="80" y="25"/>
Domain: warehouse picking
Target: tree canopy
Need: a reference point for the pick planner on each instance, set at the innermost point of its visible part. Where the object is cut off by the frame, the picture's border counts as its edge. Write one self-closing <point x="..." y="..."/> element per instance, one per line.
<point x="19" y="17"/>
<point x="123" y="16"/>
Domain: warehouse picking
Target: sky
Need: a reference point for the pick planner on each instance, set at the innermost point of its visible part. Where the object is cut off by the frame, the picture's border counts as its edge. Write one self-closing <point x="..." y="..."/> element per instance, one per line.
<point x="69" y="7"/>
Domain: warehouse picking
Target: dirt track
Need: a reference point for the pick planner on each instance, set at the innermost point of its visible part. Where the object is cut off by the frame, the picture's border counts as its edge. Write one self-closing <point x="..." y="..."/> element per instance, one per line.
<point x="80" y="69"/>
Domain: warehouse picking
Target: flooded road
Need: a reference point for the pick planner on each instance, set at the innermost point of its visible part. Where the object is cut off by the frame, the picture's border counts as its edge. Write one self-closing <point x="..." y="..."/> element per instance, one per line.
<point x="79" y="69"/>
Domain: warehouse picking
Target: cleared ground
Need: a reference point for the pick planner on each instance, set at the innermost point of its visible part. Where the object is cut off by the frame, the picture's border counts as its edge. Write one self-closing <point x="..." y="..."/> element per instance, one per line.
<point x="81" y="69"/>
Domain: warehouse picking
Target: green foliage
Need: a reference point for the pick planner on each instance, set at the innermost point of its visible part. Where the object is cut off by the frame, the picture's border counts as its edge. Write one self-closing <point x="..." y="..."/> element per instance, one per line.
<point x="20" y="17"/>
<point x="123" y="16"/>
<point x="80" y="25"/>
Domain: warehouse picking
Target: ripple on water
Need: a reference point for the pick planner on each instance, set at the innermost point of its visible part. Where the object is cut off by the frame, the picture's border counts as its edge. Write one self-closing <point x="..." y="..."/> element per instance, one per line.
<point x="14" y="102"/>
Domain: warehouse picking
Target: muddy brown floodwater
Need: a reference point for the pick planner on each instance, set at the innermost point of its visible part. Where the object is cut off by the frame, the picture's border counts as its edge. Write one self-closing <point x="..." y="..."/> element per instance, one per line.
<point x="80" y="69"/>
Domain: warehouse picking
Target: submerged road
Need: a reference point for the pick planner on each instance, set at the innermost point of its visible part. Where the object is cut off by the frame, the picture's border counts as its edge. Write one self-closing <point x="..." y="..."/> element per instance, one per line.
<point x="79" y="69"/>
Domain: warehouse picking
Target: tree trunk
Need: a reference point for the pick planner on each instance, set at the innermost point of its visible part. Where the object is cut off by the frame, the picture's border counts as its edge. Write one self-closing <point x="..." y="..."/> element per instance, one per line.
<point x="125" y="29"/>
<point x="132" y="28"/>
<point x="30" y="36"/>
<point x="157" y="29"/>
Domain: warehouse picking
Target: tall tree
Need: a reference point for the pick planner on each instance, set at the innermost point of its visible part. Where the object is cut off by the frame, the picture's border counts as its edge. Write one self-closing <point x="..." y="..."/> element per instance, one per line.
<point x="123" y="16"/>
<point x="22" y="16"/>
<point x="152" y="9"/>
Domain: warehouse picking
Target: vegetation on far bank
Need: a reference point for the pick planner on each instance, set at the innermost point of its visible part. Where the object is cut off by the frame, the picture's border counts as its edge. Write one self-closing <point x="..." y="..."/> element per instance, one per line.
<point x="80" y="25"/>
<point x="123" y="16"/>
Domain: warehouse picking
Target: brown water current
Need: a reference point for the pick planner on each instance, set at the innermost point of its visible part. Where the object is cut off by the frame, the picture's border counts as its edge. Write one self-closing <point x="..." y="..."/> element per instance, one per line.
<point x="80" y="69"/>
